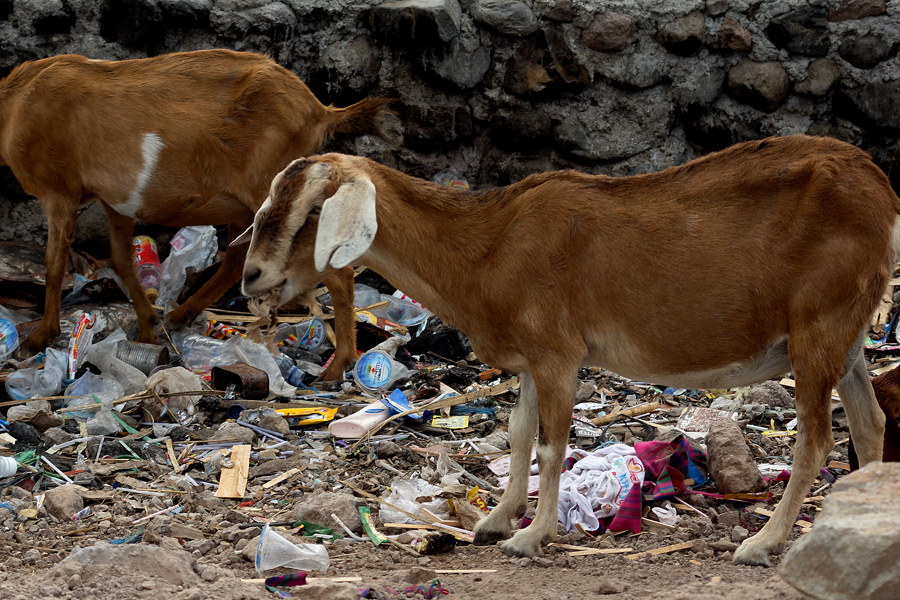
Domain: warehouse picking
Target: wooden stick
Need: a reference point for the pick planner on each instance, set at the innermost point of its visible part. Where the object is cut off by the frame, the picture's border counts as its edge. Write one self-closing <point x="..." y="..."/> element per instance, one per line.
<point x="172" y="456"/>
<point x="629" y="412"/>
<point x="768" y="513"/>
<point x="280" y="478"/>
<point x="663" y="550"/>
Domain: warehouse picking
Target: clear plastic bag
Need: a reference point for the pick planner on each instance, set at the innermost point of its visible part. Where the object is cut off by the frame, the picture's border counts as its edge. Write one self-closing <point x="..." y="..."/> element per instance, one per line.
<point x="403" y="495"/>
<point x="38" y="383"/>
<point x="177" y="379"/>
<point x="92" y="389"/>
<point x="192" y="247"/>
<point x="257" y="355"/>
<point x="103" y="355"/>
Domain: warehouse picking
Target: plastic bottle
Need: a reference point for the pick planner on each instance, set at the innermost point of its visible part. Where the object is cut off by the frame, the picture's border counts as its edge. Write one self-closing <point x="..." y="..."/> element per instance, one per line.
<point x="376" y="371"/>
<point x="146" y="265"/>
<point x="8" y="466"/>
<point x="290" y="371"/>
<point x="309" y="335"/>
<point x="273" y="551"/>
<point x="200" y="352"/>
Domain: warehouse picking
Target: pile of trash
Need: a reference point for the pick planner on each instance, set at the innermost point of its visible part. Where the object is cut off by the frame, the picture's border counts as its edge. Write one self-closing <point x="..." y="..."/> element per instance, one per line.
<point x="214" y="443"/>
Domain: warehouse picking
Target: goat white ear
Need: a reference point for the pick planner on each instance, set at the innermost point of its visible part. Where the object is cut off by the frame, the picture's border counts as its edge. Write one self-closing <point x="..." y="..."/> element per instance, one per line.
<point x="347" y="224"/>
<point x="243" y="238"/>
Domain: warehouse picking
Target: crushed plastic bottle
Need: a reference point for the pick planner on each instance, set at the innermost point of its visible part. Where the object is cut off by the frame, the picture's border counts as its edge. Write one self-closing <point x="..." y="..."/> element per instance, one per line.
<point x="289" y="370"/>
<point x="309" y="335"/>
<point x="452" y="179"/>
<point x="146" y="265"/>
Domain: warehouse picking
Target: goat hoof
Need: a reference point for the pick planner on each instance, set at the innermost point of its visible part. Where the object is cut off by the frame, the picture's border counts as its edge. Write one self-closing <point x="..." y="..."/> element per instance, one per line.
<point x="487" y="537"/>
<point x="751" y="555"/>
<point x="526" y="549"/>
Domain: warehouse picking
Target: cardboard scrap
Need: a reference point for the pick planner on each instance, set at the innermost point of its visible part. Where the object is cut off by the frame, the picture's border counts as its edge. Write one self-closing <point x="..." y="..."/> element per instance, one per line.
<point x="233" y="481"/>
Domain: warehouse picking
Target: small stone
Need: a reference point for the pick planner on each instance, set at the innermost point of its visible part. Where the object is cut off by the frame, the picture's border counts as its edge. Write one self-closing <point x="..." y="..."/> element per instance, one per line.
<point x="523" y="562"/>
<point x="608" y="585"/>
<point x="420" y="575"/>
<point x="508" y="17"/>
<point x="542" y="562"/>
<point x="32" y="556"/>
<point x="209" y="574"/>
<point x="739" y="534"/>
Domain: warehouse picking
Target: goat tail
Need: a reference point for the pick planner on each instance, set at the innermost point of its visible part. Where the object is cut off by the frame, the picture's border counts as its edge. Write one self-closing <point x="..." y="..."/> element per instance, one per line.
<point x="368" y="116"/>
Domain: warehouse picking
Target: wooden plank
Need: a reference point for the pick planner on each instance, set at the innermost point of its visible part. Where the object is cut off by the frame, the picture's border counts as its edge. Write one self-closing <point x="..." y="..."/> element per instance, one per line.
<point x="663" y="550"/>
<point x="233" y="481"/>
<point x="172" y="456"/>
<point x="280" y="478"/>
<point x="839" y="465"/>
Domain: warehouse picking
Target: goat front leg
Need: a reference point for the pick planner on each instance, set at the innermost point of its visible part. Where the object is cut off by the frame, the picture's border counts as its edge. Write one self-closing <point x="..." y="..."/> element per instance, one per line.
<point x="523" y="425"/>
<point x="61" y="212"/>
<point x="555" y="387"/>
<point x="227" y="275"/>
<point x="863" y="412"/>
<point x="340" y="284"/>
<point x="121" y="231"/>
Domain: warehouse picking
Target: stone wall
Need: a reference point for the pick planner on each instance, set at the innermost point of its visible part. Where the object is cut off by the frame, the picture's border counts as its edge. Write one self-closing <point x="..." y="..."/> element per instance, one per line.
<point x="499" y="89"/>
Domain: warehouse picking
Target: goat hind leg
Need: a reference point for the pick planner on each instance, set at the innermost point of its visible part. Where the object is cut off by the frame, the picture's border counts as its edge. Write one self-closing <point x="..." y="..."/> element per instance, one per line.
<point x="555" y="397"/>
<point x="523" y="425"/>
<point x="121" y="230"/>
<point x="61" y="212"/>
<point x="814" y="441"/>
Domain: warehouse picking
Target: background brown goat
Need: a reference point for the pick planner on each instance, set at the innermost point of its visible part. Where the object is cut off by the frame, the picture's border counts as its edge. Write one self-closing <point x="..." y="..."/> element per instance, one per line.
<point x="788" y="241"/>
<point x="189" y="138"/>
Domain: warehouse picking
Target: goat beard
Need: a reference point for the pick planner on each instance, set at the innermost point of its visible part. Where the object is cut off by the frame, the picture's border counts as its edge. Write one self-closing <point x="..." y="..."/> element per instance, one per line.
<point x="265" y="308"/>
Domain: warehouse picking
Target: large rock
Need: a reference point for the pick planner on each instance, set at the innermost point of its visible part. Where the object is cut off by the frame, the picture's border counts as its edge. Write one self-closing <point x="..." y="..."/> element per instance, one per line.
<point x="589" y="133"/>
<point x="875" y="104"/>
<point x="762" y="85"/>
<point x="864" y="52"/>
<point x="508" y="17"/>
<point x="685" y="35"/>
<point x="610" y="32"/>
<point x="318" y="507"/>
<point x="853" y="550"/>
<point x="731" y="464"/>
<point x="733" y="36"/>
<point x="770" y="393"/>
<point x="62" y="502"/>
<point x="804" y="31"/>
<point x="821" y="77"/>
<point x="424" y="22"/>
<point x="857" y="9"/>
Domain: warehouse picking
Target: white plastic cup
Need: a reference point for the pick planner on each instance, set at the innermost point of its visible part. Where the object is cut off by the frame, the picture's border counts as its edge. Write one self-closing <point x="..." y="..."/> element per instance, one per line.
<point x="8" y="466"/>
<point x="273" y="551"/>
<point x="359" y="423"/>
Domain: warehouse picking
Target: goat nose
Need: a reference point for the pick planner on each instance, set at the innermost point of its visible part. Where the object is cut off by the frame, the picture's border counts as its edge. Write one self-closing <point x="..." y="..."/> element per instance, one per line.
<point x="251" y="275"/>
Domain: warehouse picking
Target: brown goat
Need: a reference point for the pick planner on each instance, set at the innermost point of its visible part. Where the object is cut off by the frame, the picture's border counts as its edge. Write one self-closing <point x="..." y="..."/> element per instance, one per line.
<point x="887" y="393"/>
<point x="190" y="138"/>
<point x="735" y="268"/>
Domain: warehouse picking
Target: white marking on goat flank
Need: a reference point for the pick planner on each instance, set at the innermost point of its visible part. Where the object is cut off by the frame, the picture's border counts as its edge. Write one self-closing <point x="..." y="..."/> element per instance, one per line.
<point x="150" y="148"/>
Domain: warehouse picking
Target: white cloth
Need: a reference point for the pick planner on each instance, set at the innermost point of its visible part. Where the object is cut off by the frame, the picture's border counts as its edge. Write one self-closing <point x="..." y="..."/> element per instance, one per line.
<point x="596" y="485"/>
